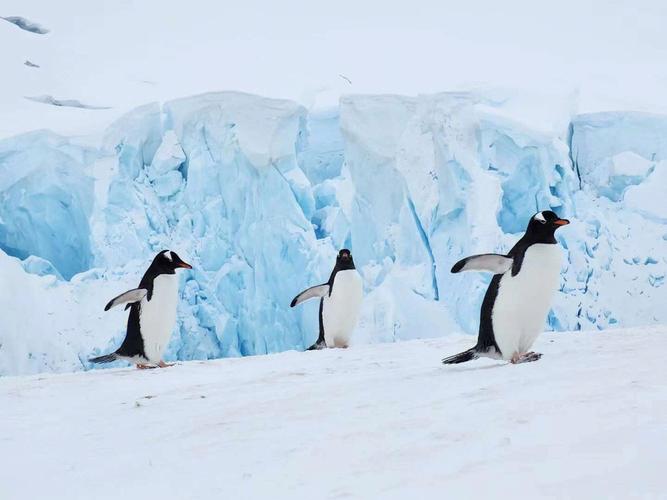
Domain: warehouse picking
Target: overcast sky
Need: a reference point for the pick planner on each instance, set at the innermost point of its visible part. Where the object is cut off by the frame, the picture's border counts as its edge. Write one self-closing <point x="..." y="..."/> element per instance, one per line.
<point x="607" y="54"/>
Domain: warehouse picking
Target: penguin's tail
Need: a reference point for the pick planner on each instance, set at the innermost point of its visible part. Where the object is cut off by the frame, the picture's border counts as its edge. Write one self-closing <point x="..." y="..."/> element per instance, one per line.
<point x="461" y="357"/>
<point x="107" y="358"/>
<point x="320" y="344"/>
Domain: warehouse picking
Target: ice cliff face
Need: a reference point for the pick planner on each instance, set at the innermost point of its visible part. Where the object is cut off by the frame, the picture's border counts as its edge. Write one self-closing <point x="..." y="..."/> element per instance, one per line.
<point x="46" y="200"/>
<point x="258" y="194"/>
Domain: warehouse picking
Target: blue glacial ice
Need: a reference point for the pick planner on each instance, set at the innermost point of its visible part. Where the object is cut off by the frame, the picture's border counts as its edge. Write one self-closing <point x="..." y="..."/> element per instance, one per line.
<point x="46" y="200"/>
<point x="258" y="194"/>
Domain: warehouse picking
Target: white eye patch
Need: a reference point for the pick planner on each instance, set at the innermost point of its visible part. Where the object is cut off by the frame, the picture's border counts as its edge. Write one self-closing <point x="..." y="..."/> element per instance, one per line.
<point x="168" y="255"/>
<point x="539" y="217"/>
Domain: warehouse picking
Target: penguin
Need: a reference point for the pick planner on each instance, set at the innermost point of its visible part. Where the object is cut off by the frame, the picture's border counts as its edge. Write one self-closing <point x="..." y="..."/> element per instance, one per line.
<point x="518" y="298"/>
<point x="340" y="303"/>
<point x="152" y="313"/>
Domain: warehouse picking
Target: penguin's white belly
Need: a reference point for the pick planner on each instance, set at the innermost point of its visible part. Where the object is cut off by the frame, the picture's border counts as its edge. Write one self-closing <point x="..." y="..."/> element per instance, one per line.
<point x="523" y="301"/>
<point x="340" y="310"/>
<point x="158" y="316"/>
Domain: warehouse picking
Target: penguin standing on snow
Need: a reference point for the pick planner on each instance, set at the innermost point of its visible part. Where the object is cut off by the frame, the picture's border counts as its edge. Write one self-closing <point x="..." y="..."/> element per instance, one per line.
<point x="152" y="313"/>
<point x="517" y="301"/>
<point x="340" y="303"/>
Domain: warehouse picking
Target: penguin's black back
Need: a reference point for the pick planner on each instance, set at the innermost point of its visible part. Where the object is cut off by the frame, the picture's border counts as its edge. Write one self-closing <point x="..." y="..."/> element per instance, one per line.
<point x="486" y="339"/>
<point x="133" y="344"/>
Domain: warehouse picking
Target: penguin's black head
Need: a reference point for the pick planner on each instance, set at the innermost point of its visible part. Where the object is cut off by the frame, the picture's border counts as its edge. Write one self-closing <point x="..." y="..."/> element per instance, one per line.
<point x="344" y="259"/>
<point x="166" y="262"/>
<point x="543" y="225"/>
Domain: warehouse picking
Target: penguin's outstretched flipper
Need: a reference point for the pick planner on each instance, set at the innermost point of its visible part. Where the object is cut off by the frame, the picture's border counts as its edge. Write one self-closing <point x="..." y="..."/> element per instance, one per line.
<point x="107" y="358"/>
<point x="461" y="357"/>
<point x="128" y="297"/>
<point x="311" y="293"/>
<point x="492" y="262"/>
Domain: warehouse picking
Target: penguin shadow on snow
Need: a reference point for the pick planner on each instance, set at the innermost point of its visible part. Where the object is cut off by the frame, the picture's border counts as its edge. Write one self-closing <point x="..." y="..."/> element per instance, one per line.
<point x="469" y="368"/>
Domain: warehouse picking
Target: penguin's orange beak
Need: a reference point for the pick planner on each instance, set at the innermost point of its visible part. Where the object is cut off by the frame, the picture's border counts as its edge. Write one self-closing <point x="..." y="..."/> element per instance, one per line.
<point x="184" y="265"/>
<point x="561" y="222"/>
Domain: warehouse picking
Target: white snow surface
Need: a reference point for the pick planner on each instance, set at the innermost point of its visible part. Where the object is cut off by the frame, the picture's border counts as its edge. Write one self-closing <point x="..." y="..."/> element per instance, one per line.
<point x="382" y="421"/>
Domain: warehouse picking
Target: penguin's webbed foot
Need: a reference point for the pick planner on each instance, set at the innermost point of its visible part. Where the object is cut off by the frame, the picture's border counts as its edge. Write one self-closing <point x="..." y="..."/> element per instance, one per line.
<point x="141" y="366"/>
<point x="162" y="364"/>
<point x="525" y="357"/>
<point x="532" y="356"/>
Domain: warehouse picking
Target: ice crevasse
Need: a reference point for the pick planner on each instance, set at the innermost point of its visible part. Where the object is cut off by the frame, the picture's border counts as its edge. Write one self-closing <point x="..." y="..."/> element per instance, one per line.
<point x="259" y="194"/>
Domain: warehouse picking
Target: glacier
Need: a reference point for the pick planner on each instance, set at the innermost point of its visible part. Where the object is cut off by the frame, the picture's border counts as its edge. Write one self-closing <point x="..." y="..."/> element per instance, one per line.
<point x="258" y="195"/>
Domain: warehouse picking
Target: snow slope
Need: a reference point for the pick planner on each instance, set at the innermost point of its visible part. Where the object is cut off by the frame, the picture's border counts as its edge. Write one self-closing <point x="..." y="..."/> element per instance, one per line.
<point x="123" y="54"/>
<point x="383" y="421"/>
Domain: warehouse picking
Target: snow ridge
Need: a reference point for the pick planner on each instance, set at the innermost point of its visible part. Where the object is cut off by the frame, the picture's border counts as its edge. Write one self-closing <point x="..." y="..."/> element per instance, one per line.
<point x="26" y="24"/>
<point x="68" y="103"/>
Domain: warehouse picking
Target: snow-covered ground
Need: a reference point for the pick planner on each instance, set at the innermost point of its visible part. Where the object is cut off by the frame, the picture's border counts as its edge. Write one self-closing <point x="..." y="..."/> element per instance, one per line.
<point x="381" y="421"/>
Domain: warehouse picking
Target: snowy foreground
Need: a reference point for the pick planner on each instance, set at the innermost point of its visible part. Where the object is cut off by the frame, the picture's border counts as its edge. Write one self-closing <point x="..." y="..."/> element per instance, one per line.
<point x="375" y="421"/>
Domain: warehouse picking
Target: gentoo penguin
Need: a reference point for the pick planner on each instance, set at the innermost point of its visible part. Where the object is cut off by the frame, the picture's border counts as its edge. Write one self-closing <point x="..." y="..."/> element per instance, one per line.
<point x="517" y="301"/>
<point x="340" y="302"/>
<point x="152" y="313"/>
